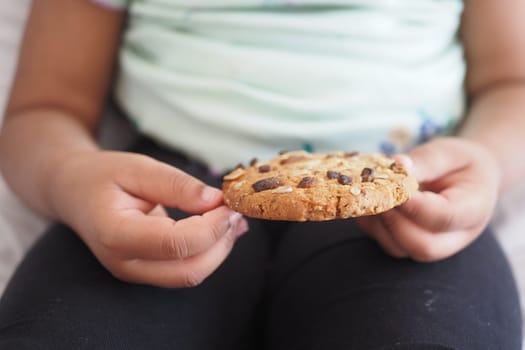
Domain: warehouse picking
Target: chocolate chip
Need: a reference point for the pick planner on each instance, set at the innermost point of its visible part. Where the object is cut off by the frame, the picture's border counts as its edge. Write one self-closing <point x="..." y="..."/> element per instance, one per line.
<point x="283" y="152"/>
<point x="307" y="182"/>
<point x="367" y="172"/>
<point x="398" y="168"/>
<point x="332" y="174"/>
<point x="239" y="166"/>
<point x="351" y="154"/>
<point x="267" y="184"/>
<point x="344" y="180"/>
<point x="292" y="159"/>
<point x="367" y="175"/>
<point x="265" y="168"/>
<point x="253" y="161"/>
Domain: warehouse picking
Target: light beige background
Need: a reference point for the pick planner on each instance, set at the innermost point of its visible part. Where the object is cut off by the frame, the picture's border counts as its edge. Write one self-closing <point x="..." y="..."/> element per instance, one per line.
<point x="19" y="227"/>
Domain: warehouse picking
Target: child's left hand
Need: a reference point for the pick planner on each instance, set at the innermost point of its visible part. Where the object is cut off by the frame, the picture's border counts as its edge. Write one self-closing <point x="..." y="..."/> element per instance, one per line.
<point x="459" y="187"/>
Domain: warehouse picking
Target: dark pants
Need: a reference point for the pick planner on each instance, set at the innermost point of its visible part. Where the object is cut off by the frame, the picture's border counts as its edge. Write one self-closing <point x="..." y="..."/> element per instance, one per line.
<point x="284" y="286"/>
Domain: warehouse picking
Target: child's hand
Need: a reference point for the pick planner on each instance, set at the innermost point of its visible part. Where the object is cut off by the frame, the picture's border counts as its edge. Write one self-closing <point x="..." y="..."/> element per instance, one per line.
<point x="114" y="201"/>
<point x="459" y="189"/>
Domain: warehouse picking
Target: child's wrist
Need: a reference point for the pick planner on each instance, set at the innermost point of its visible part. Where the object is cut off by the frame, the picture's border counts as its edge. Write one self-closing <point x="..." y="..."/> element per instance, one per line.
<point x="61" y="180"/>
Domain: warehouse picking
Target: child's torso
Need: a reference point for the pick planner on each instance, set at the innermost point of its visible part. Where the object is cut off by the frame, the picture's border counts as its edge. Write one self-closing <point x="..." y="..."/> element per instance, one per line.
<point x="228" y="80"/>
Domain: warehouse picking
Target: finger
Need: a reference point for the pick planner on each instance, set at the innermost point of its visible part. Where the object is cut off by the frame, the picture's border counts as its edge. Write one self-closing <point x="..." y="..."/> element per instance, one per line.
<point x="160" y="238"/>
<point x="179" y="273"/>
<point x="161" y="183"/>
<point x="459" y="206"/>
<point x="404" y="160"/>
<point x="375" y="228"/>
<point x="436" y="213"/>
<point x="420" y="244"/>
<point x="438" y="158"/>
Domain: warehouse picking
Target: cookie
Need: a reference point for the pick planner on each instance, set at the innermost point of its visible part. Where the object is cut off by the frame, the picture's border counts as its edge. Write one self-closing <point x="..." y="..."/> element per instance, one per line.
<point x="301" y="186"/>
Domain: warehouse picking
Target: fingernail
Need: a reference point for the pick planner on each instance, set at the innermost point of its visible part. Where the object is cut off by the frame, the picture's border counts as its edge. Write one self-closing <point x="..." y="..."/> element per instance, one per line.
<point x="405" y="160"/>
<point x="242" y="228"/>
<point x="209" y="194"/>
<point x="234" y="218"/>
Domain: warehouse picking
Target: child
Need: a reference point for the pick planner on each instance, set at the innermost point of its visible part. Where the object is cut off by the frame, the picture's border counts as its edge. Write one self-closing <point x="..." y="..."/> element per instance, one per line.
<point x="216" y="82"/>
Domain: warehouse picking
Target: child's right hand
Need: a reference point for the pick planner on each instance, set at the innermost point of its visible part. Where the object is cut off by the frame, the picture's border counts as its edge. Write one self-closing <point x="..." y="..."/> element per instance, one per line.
<point x="114" y="201"/>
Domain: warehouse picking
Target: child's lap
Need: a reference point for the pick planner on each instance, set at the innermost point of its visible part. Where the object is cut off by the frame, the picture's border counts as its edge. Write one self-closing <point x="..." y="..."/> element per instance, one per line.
<point x="305" y="286"/>
<point x="64" y="299"/>
<point x="334" y="289"/>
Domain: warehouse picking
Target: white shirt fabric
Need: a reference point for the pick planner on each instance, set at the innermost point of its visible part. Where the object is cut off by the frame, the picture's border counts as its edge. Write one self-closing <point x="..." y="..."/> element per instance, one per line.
<point x="225" y="81"/>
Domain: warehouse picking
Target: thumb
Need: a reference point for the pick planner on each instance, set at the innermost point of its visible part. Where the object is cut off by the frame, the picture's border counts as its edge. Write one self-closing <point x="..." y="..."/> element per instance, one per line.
<point x="435" y="159"/>
<point x="163" y="184"/>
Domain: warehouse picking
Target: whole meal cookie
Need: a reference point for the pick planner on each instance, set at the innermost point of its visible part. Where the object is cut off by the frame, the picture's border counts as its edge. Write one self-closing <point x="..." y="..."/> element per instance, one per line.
<point x="301" y="186"/>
